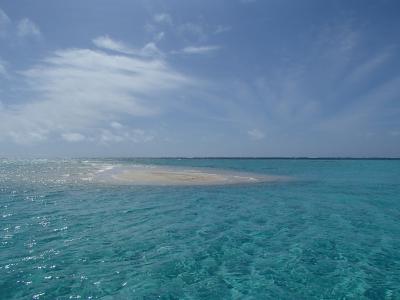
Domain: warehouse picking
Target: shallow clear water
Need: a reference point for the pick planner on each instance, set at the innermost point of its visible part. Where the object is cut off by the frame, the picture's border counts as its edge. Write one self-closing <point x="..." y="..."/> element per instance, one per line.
<point x="333" y="232"/>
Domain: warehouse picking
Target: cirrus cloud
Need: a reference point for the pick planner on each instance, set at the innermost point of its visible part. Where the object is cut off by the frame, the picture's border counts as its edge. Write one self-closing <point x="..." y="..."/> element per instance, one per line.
<point x="4" y="22"/>
<point x="105" y="42"/>
<point x="27" y="28"/>
<point x="256" y="134"/>
<point x="200" y="49"/>
<point x="163" y="18"/>
<point x="78" y="90"/>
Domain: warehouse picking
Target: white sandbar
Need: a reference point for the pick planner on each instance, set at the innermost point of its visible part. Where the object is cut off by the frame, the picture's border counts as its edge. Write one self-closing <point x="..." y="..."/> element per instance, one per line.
<point x="173" y="176"/>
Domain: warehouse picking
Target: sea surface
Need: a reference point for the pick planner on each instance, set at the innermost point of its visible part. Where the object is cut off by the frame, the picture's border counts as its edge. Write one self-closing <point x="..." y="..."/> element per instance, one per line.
<point x="330" y="232"/>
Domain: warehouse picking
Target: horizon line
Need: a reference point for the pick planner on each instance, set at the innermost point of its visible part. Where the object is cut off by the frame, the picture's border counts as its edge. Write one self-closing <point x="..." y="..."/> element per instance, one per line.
<point x="211" y="157"/>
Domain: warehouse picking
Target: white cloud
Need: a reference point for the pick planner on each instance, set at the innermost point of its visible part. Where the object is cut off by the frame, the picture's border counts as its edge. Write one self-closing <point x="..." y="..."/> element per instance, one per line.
<point x="200" y="49"/>
<point x="364" y="70"/>
<point x="121" y="133"/>
<point x="4" y="19"/>
<point x="26" y="28"/>
<point x="193" y="30"/>
<point x="256" y="134"/>
<point x="125" y="135"/>
<point x="365" y="110"/>
<point x="163" y="18"/>
<point x="3" y="69"/>
<point x="77" y="90"/>
<point x="150" y="50"/>
<point x="29" y="136"/>
<point x="116" y="125"/>
<point x="105" y="42"/>
<point x="73" y="137"/>
<point x="4" y="22"/>
<point x="159" y="36"/>
<point x="222" y="29"/>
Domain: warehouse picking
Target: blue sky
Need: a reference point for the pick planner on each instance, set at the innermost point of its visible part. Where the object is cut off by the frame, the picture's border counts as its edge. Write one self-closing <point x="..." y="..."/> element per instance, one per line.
<point x="199" y="78"/>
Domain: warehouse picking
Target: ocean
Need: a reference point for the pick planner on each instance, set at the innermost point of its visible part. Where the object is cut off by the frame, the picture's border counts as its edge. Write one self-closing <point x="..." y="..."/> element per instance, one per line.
<point x="331" y="231"/>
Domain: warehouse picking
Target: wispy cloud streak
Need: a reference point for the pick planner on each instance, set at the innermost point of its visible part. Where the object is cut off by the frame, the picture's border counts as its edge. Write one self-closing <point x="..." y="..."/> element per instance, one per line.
<point x="79" y="90"/>
<point x="200" y="49"/>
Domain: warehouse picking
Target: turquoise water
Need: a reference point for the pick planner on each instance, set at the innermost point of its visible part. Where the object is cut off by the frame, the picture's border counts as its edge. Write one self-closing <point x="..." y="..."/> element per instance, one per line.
<point x="332" y="232"/>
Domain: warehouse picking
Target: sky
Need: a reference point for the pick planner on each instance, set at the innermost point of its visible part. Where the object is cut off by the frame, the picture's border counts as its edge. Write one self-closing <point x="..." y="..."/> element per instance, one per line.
<point x="199" y="78"/>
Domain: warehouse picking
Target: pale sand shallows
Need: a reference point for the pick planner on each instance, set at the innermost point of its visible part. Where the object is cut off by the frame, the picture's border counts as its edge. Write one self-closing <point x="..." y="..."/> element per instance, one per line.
<point x="166" y="176"/>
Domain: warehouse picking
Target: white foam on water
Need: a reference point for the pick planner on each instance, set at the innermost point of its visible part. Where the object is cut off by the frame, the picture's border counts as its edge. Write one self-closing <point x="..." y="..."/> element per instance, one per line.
<point x="105" y="168"/>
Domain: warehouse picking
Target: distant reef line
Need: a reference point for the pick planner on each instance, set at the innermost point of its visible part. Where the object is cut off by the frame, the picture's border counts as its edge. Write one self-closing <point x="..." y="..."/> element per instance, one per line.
<point x="246" y="157"/>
